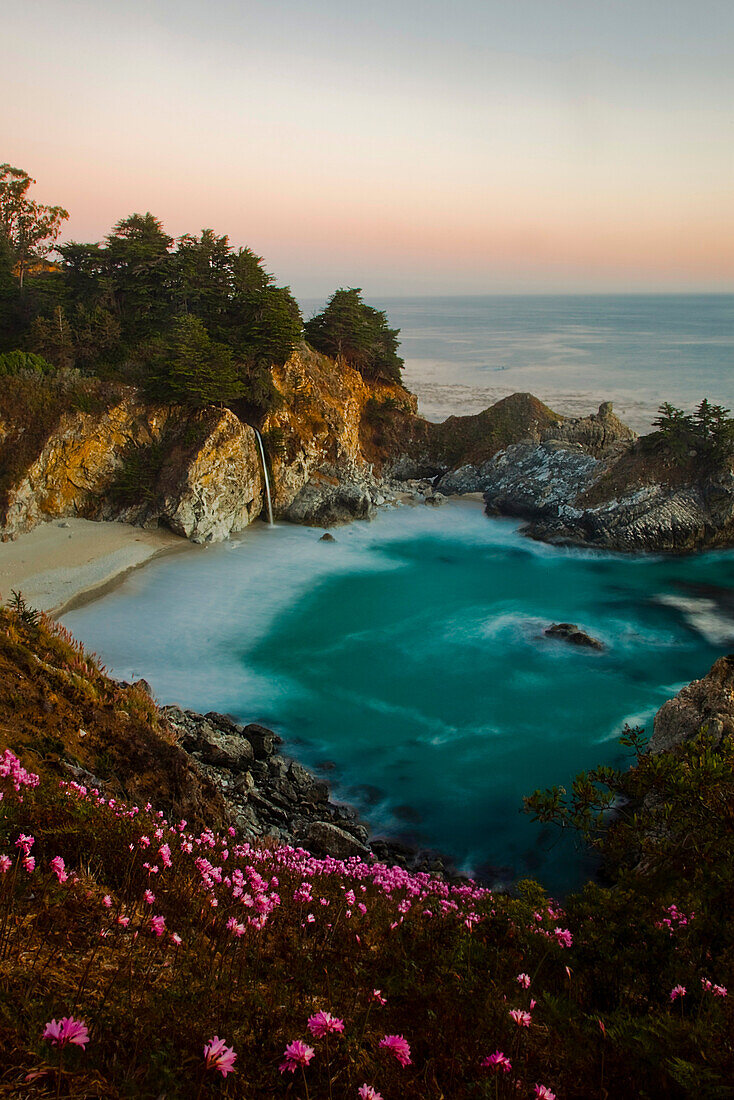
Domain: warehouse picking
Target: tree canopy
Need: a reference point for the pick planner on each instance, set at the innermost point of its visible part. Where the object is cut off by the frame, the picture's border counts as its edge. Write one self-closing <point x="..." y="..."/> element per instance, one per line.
<point x="350" y="330"/>
<point x="111" y="307"/>
<point x="708" y="432"/>
<point x="29" y="227"/>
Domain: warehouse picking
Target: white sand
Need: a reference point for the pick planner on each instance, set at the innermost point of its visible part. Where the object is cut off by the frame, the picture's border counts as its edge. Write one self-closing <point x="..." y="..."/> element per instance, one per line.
<point x="66" y="561"/>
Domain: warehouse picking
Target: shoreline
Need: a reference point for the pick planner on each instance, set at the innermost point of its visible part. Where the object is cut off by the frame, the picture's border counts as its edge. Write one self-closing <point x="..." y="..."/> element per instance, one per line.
<point x="64" y="564"/>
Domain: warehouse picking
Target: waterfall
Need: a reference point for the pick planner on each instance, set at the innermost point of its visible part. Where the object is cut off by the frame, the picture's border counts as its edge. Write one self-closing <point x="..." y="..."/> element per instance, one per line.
<point x="265" y="475"/>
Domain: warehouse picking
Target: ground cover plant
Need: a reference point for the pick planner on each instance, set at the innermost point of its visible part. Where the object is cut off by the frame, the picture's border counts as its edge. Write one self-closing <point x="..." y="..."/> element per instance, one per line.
<point x="141" y="956"/>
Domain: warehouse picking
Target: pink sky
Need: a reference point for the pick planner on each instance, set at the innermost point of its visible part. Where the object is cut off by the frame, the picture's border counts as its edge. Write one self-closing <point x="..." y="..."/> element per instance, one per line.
<point x="405" y="152"/>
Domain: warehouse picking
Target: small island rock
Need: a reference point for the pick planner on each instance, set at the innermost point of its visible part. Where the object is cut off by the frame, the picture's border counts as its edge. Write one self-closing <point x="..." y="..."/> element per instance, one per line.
<point x="569" y="632"/>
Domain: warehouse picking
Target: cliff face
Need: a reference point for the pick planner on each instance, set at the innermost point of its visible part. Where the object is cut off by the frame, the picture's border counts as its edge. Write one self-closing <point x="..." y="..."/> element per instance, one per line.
<point x="199" y="474"/>
<point x="708" y="702"/>
<point x="618" y="501"/>
<point x="320" y="453"/>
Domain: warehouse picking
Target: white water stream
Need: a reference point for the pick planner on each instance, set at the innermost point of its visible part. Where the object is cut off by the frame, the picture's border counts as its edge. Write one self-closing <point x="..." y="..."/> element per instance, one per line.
<point x="265" y="475"/>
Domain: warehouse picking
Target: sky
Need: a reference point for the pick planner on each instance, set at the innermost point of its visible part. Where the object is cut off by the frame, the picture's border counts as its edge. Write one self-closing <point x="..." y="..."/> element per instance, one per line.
<point x="478" y="147"/>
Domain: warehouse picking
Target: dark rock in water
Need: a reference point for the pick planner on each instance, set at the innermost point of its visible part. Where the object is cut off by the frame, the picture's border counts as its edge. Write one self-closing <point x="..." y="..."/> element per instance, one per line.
<point x="326" y="537"/>
<point x="326" y="766"/>
<point x="569" y="632"/>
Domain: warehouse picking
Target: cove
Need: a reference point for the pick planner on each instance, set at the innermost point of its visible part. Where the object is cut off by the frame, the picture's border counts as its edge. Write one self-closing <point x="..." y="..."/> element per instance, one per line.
<point x="408" y="661"/>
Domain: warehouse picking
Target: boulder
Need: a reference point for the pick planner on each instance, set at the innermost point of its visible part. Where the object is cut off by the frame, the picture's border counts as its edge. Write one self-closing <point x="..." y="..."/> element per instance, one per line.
<point x="264" y="742"/>
<point x="329" y="840"/>
<point x="569" y="632"/>
<point x="223" y="750"/>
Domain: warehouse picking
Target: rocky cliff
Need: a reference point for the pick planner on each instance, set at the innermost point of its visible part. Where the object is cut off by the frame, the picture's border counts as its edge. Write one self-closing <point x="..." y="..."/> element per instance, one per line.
<point x="706" y="703"/>
<point x="324" y="465"/>
<point x="337" y="447"/>
<point x="197" y="473"/>
<point x="200" y="472"/>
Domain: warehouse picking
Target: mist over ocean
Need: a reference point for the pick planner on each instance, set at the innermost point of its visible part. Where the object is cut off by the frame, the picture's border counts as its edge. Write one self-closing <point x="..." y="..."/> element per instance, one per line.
<point x="572" y="351"/>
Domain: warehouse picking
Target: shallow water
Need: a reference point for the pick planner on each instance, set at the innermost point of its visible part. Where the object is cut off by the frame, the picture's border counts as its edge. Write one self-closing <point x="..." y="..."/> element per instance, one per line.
<point x="409" y="656"/>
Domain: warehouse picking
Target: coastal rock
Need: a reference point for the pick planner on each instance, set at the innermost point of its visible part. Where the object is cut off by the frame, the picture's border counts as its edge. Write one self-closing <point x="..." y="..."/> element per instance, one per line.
<point x="218" y="489"/>
<point x="569" y="632"/>
<point x="326" y="839"/>
<point x="620" y="501"/>
<point x="534" y="481"/>
<point x="706" y="703"/>
<point x="79" y="461"/>
<point x="224" y="750"/>
<point x="601" y="433"/>
<point x="326" y="502"/>
<point x="206" y="485"/>
<point x="264" y="742"/>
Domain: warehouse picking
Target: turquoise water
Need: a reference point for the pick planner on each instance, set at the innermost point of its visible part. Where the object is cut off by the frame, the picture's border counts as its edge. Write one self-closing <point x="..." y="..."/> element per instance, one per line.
<point x="573" y="351"/>
<point x="409" y="656"/>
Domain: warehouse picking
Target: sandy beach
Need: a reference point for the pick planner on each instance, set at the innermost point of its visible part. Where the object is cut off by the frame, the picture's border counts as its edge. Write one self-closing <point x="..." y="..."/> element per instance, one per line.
<point x="64" y="562"/>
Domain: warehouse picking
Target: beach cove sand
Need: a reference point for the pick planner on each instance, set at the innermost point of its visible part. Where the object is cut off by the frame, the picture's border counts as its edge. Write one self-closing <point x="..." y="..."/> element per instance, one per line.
<point x="63" y="563"/>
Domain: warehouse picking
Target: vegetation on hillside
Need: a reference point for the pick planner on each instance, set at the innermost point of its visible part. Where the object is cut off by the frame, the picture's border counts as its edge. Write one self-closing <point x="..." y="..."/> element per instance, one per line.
<point x="706" y="434"/>
<point x="358" y="334"/>
<point x="193" y="320"/>
<point x="142" y="955"/>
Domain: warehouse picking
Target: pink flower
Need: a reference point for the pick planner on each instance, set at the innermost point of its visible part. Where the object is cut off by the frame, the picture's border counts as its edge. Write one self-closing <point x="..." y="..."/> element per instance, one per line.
<point x="219" y="1056"/>
<point x="29" y="863"/>
<point x="296" y="1054"/>
<point x="523" y="980"/>
<point x="67" y="1030"/>
<point x="497" y="1061"/>
<point x="176" y="939"/>
<point x="25" y="842"/>
<point x="543" y="1093"/>
<point x="377" y="996"/>
<point x="323" y="1023"/>
<point x="677" y="991"/>
<point x="158" y="925"/>
<point x="366" y="1092"/>
<point x="58" y="868"/>
<point x="107" y="901"/>
<point x="709" y="987"/>
<point x="522" y="1019"/>
<point x="398" y="1046"/>
<point x="149" y="897"/>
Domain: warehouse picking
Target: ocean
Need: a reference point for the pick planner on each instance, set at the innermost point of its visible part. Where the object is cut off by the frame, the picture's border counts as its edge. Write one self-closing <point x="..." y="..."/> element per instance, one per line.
<point x="571" y="351"/>
<point x="408" y="659"/>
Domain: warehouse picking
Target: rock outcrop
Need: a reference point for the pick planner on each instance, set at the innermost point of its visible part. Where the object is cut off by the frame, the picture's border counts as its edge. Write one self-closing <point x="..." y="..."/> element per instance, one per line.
<point x="269" y="796"/>
<point x="322" y="470"/>
<point x="707" y="703"/>
<point x="568" y="496"/>
<point x="197" y="473"/>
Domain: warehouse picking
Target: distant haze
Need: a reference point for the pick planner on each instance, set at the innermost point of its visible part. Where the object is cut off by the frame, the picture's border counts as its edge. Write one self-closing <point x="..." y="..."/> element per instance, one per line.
<point x="409" y="148"/>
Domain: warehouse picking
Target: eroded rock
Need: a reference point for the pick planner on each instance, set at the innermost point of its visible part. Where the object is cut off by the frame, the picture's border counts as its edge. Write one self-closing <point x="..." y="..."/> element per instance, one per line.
<point x="708" y="702"/>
